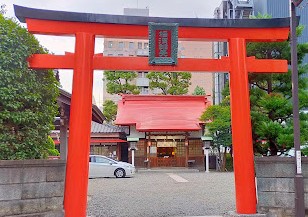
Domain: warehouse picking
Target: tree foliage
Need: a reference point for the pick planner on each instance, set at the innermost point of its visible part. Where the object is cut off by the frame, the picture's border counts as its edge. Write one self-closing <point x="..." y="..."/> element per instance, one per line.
<point x="27" y="97"/>
<point x="173" y="83"/>
<point x="52" y="151"/>
<point x="218" y="123"/>
<point x="199" y="91"/>
<point x="121" y="82"/>
<point x="271" y="101"/>
<point x="271" y="98"/>
<point x="110" y="110"/>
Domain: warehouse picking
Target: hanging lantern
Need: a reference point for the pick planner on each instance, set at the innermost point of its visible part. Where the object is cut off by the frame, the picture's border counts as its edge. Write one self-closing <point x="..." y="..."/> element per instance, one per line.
<point x="186" y="142"/>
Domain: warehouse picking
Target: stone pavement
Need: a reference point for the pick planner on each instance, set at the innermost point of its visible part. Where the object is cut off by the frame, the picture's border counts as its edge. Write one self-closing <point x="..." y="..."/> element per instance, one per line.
<point x="160" y="194"/>
<point x="168" y="170"/>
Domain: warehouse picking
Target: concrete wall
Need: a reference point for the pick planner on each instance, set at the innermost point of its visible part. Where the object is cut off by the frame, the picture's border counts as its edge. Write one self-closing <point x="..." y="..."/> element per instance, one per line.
<point x="275" y="185"/>
<point x="32" y="188"/>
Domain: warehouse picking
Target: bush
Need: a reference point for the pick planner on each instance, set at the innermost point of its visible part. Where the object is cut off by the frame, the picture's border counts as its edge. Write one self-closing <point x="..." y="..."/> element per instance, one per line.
<point x="52" y="151"/>
<point x="229" y="162"/>
<point x="27" y="97"/>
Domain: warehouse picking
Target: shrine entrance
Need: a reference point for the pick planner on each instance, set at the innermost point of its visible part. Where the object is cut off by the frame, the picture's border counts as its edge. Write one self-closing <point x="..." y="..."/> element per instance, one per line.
<point x="166" y="157"/>
<point x="85" y="27"/>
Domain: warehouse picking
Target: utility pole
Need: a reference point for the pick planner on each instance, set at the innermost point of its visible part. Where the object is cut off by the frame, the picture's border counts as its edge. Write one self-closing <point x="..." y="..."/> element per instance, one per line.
<point x="298" y="178"/>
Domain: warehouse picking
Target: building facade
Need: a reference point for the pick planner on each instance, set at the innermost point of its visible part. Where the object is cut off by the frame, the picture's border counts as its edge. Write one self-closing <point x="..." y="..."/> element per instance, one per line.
<point x="105" y="139"/>
<point x="137" y="47"/>
<point x="243" y="9"/>
<point x="280" y="9"/>
<point x="228" y="9"/>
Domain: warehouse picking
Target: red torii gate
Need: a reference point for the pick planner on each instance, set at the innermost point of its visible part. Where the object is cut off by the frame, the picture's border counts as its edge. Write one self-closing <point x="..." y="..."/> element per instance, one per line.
<point x="86" y="26"/>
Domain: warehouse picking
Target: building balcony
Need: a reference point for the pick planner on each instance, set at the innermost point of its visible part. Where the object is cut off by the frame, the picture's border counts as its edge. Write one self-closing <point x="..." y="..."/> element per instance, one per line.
<point x="242" y="3"/>
<point x="142" y="82"/>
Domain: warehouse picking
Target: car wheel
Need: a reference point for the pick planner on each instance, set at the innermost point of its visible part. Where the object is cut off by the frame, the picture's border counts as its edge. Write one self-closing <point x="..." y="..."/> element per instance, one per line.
<point x="119" y="173"/>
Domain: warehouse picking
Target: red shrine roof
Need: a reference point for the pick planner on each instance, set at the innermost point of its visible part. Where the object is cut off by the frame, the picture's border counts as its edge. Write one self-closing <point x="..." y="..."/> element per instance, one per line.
<point x="161" y="113"/>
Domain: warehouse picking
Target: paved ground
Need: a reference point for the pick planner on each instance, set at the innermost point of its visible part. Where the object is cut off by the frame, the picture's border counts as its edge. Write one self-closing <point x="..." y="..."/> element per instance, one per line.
<point x="162" y="194"/>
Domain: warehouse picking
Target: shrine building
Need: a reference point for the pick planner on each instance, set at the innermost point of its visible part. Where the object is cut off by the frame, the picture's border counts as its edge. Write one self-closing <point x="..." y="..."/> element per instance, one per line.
<point x="106" y="139"/>
<point x="164" y="131"/>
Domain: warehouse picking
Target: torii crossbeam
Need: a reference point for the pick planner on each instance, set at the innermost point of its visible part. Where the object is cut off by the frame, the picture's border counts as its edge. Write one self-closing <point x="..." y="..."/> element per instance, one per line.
<point x="86" y="26"/>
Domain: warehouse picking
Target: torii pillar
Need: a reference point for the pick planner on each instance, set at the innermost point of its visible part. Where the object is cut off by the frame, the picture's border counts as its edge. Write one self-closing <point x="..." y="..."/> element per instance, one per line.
<point x="241" y="128"/>
<point x="86" y="26"/>
<point x="81" y="113"/>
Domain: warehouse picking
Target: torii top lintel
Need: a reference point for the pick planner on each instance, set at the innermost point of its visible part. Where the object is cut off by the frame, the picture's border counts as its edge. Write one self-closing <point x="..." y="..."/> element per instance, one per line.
<point x="116" y="26"/>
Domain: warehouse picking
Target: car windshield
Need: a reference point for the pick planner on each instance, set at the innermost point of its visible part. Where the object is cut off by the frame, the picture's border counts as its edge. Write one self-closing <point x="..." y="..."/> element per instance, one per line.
<point x="113" y="160"/>
<point x="102" y="159"/>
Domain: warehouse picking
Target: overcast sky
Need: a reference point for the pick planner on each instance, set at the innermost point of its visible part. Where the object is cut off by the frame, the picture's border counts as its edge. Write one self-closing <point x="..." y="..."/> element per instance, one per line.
<point x="159" y="8"/>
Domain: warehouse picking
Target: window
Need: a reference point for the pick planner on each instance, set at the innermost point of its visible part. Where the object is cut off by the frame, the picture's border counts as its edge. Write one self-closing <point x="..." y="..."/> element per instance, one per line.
<point x="110" y="44"/>
<point x="142" y="74"/>
<point x="145" y="90"/>
<point x="180" y="149"/>
<point x="244" y="1"/>
<point x="120" y="54"/>
<point x="165" y="152"/>
<point x="131" y="45"/>
<point x="121" y="45"/>
<point x="195" y="148"/>
<point x="101" y="160"/>
<point x="146" y="45"/>
<point x="139" y="45"/>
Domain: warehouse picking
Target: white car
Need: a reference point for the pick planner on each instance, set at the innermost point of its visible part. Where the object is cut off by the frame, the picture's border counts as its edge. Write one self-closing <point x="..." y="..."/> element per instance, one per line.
<point x="101" y="166"/>
<point x="291" y="151"/>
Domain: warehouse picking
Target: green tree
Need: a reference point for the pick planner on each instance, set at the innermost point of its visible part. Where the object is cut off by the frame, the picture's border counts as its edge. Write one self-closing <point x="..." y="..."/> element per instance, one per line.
<point x="110" y="110"/>
<point x="27" y="97"/>
<point x="174" y="83"/>
<point x="120" y="82"/>
<point x="52" y="151"/>
<point x="271" y="99"/>
<point x="218" y="120"/>
<point x="218" y="124"/>
<point x="199" y="91"/>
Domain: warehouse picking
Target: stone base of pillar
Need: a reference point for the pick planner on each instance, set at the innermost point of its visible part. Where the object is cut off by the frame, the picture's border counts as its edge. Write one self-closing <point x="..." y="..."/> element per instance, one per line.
<point x="234" y="214"/>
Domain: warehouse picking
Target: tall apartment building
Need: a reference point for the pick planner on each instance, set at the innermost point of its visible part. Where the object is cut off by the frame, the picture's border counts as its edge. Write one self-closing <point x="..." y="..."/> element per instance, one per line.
<point x="242" y="9"/>
<point x="281" y="8"/>
<point x="228" y="9"/>
<point x="137" y="47"/>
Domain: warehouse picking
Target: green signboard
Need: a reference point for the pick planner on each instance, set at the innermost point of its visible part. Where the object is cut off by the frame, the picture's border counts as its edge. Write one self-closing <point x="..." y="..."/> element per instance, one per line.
<point x="163" y="43"/>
